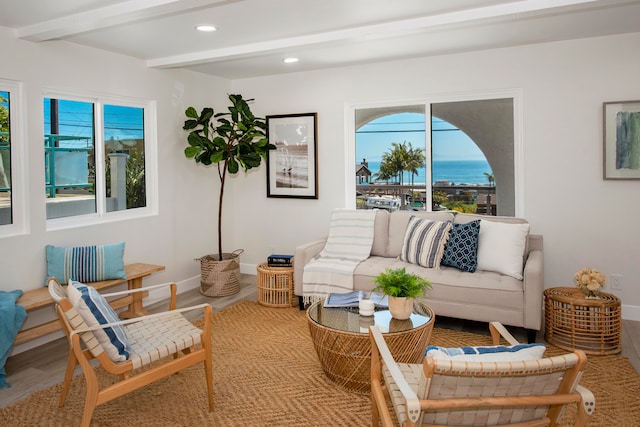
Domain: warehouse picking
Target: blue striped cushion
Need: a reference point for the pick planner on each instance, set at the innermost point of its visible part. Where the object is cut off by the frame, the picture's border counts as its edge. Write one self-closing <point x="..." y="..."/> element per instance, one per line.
<point x="95" y="310"/>
<point x="496" y="353"/>
<point x="86" y="263"/>
<point x="424" y="242"/>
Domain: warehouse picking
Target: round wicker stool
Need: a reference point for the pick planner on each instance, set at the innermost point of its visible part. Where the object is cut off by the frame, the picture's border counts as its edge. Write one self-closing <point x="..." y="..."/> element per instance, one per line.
<point x="275" y="286"/>
<point x="574" y="322"/>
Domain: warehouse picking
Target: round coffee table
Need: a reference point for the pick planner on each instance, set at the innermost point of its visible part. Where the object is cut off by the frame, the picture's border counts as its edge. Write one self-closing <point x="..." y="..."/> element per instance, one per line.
<point x="341" y="340"/>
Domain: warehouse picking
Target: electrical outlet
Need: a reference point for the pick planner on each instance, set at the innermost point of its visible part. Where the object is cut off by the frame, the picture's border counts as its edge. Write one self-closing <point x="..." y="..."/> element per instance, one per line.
<point x="616" y="282"/>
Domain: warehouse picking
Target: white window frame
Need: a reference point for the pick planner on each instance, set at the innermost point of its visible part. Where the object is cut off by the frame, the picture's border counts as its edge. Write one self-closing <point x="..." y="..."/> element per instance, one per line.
<point x="518" y="162"/>
<point x="150" y="152"/>
<point x="19" y="170"/>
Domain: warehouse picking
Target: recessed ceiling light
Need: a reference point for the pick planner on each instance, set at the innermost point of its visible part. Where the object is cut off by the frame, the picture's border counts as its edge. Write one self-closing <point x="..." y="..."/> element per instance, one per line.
<point x="206" y="28"/>
<point x="291" y="60"/>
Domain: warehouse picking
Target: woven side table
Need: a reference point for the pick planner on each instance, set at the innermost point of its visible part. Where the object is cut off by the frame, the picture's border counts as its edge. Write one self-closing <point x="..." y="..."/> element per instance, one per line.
<point x="574" y="322"/>
<point x="275" y="286"/>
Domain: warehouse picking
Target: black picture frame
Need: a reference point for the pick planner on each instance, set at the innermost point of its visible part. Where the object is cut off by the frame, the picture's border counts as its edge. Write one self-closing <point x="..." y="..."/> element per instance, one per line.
<point x="292" y="168"/>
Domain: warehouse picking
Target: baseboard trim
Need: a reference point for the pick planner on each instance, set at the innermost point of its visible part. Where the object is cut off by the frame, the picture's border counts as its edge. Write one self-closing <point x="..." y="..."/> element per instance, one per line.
<point x="631" y="312"/>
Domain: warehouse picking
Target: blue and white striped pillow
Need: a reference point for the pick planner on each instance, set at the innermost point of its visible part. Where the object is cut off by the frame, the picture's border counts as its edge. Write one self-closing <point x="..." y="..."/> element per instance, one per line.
<point x="95" y="310"/>
<point x="86" y="263"/>
<point x="424" y="242"/>
<point x="494" y="353"/>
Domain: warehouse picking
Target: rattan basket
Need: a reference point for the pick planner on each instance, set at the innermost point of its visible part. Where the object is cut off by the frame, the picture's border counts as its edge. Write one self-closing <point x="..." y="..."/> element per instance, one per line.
<point x="220" y="278"/>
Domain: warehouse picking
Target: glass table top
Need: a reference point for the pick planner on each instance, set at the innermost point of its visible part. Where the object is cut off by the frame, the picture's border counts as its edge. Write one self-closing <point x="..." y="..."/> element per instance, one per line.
<point x="347" y="319"/>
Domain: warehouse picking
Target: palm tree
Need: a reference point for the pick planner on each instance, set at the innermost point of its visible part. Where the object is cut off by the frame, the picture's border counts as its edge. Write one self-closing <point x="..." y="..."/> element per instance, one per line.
<point x="490" y="178"/>
<point x="385" y="173"/>
<point x="416" y="159"/>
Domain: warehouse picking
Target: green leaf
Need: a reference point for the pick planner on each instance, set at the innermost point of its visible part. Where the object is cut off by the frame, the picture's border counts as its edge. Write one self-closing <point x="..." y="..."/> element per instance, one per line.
<point x="194" y="139"/>
<point x="190" y="124"/>
<point x="190" y="152"/>
<point x="217" y="156"/>
<point x="219" y="142"/>
<point x="191" y="112"/>
<point x="232" y="166"/>
<point x="205" y="115"/>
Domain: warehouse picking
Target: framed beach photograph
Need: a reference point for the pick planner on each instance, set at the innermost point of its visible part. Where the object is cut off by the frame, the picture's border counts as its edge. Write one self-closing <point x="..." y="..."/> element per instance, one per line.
<point x="621" y="140"/>
<point x="292" y="168"/>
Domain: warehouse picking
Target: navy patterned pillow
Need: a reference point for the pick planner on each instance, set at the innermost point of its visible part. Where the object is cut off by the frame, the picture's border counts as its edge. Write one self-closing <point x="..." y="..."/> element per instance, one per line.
<point x="461" y="250"/>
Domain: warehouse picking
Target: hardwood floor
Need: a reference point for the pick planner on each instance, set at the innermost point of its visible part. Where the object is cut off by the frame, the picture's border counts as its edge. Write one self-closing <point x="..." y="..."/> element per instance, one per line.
<point x="44" y="366"/>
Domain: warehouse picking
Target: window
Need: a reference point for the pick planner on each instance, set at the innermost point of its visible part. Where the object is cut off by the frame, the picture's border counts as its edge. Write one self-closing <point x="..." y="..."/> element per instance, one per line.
<point x="96" y="157"/>
<point x="463" y="157"/>
<point x="6" y="213"/>
<point x="12" y="156"/>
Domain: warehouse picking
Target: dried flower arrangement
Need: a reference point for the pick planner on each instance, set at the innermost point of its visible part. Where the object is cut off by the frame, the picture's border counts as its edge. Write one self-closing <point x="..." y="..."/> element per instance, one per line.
<point x="590" y="280"/>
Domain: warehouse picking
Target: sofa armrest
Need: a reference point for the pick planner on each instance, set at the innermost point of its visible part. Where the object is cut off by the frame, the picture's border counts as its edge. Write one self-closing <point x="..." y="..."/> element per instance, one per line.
<point x="302" y="255"/>
<point x="533" y="283"/>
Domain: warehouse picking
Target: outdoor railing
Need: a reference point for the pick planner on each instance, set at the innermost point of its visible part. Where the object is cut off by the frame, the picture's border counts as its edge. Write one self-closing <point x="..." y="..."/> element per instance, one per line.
<point x="52" y="149"/>
<point x="5" y="146"/>
<point x="484" y="195"/>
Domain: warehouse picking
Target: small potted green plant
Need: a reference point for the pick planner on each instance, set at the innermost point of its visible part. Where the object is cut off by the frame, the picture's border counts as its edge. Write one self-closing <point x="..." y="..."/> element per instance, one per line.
<point x="401" y="288"/>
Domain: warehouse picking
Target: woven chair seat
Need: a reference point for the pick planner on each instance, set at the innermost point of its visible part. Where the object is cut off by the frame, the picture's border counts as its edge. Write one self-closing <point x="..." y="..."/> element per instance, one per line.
<point x="153" y="339"/>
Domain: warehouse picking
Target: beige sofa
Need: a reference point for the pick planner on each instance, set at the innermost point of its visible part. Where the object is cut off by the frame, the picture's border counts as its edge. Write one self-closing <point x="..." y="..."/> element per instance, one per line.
<point x="481" y="296"/>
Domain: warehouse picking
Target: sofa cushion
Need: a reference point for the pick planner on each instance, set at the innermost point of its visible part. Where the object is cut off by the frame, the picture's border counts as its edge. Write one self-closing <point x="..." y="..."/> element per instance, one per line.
<point x="501" y="247"/>
<point x="380" y="233"/>
<point x="424" y="242"/>
<point x="461" y="250"/>
<point x="398" y="225"/>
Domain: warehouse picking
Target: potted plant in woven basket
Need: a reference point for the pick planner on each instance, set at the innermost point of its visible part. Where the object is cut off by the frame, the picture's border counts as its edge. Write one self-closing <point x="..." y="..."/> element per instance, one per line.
<point x="231" y="140"/>
<point x="402" y="288"/>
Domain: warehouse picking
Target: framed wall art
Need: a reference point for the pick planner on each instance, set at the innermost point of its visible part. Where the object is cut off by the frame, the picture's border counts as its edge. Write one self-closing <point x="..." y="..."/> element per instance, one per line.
<point x="621" y="140"/>
<point x="292" y="168"/>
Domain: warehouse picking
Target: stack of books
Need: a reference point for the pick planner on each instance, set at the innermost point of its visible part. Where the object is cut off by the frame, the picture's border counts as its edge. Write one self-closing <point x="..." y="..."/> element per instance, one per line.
<point x="275" y="260"/>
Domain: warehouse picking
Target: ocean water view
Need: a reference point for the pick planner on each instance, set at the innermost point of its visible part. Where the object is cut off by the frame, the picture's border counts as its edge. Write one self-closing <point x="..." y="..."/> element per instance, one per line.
<point x="453" y="171"/>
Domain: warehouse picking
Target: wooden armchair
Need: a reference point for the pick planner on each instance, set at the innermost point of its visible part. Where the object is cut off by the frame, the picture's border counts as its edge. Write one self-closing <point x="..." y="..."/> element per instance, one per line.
<point x="151" y="338"/>
<point x="445" y="392"/>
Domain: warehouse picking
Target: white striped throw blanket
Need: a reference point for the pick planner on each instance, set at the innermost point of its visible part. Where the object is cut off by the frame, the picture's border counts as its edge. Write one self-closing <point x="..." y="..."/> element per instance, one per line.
<point x="349" y="243"/>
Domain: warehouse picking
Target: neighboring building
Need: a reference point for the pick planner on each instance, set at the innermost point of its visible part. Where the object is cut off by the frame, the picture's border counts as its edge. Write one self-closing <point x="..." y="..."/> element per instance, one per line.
<point x="363" y="174"/>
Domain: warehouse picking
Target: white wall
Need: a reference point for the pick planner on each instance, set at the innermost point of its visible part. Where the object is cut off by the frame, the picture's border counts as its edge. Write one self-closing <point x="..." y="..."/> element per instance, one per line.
<point x="586" y="221"/>
<point x="184" y="228"/>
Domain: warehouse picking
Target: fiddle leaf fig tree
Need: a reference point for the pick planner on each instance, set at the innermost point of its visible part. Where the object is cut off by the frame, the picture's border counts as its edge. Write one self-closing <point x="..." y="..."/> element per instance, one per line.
<point x="231" y="140"/>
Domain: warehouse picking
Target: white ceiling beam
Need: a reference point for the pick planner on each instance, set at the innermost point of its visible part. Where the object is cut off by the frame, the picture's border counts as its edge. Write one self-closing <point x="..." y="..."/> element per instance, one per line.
<point x="107" y="16"/>
<point x="376" y="30"/>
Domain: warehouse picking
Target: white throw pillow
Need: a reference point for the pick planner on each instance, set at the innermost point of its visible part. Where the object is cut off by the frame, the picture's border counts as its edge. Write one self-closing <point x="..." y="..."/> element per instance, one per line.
<point x="501" y="247"/>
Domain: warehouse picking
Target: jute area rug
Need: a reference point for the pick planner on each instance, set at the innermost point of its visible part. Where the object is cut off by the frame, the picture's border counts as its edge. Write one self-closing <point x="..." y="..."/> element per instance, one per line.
<point x="266" y="373"/>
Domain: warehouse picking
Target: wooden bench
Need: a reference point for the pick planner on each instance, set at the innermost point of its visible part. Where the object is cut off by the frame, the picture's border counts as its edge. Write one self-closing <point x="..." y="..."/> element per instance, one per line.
<point x="39" y="298"/>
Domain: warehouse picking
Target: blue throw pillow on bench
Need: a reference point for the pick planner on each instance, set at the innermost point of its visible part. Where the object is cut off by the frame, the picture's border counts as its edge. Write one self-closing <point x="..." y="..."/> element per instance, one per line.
<point x="86" y="263"/>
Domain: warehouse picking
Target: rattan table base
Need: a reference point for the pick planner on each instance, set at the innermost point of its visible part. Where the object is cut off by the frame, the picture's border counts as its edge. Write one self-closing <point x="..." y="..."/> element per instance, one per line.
<point x="574" y="322"/>
<point x="345" y="356"/>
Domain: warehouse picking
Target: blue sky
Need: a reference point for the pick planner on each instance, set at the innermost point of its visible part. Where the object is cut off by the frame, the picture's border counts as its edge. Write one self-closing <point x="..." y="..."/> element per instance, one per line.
<point x="76" y="119"/>
<point x="449" y="143"/>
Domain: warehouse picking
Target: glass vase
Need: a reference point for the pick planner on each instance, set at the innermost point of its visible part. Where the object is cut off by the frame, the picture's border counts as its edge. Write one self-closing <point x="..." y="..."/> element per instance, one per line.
<point x="590" y="294"/>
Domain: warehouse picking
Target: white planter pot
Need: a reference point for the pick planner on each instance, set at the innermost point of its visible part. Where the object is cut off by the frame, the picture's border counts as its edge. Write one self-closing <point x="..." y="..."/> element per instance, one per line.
<point x="400" y="307"/>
